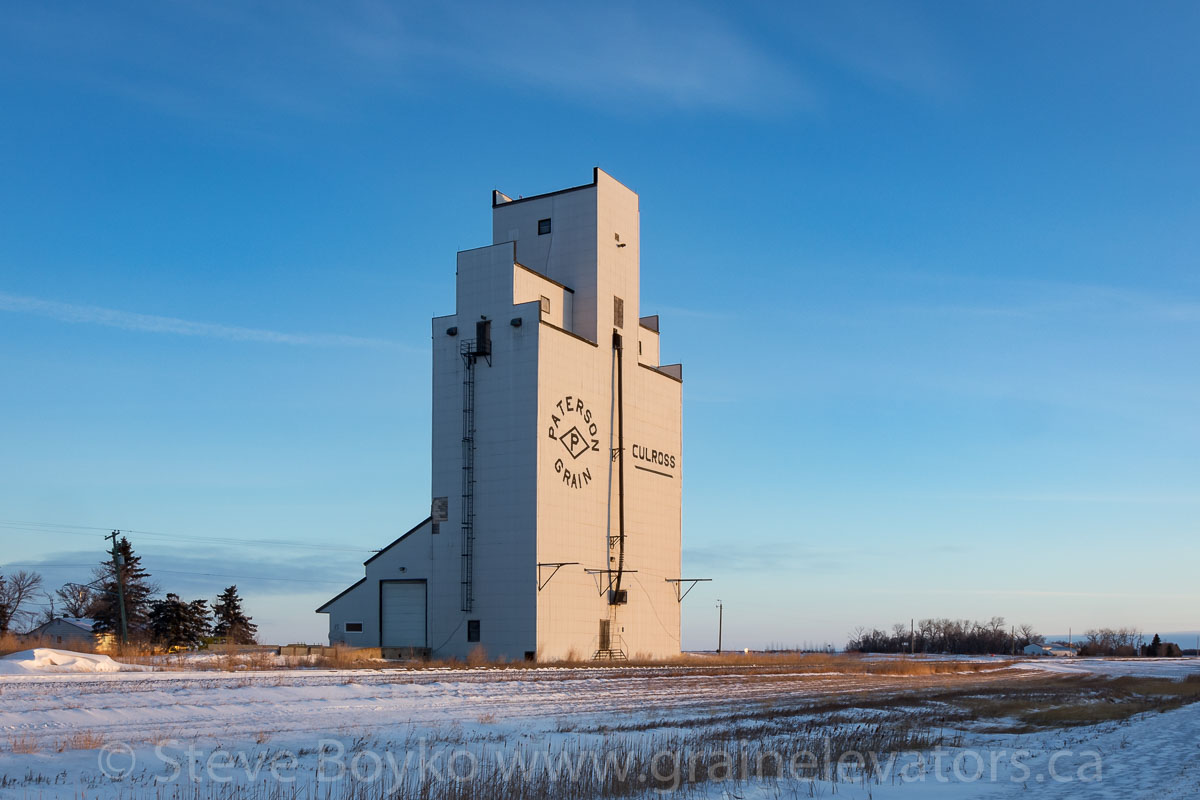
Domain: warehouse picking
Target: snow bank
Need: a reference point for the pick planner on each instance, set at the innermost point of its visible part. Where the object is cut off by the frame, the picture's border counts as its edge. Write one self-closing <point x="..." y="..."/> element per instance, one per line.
<point x="45" y="661"/>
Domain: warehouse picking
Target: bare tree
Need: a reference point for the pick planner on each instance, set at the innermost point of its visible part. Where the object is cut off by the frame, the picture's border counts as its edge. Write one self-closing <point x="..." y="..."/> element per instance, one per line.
<point x="76" y="599"/>
<point x="16" y="591"/>
<point x="1027" y="635"/>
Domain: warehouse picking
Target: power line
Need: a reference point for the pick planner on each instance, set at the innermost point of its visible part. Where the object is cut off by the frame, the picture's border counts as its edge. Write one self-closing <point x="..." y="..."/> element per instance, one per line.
<point x="79" y="530"/>
<point x="186" y="572"/>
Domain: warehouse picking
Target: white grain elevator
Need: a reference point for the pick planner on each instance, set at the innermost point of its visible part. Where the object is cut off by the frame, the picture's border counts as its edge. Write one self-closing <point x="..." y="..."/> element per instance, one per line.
<point x="554" y="528"/>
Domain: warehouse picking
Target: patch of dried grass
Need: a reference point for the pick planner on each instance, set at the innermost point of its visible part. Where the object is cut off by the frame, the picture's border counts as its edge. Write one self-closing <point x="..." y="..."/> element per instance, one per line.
<point x="22" y="745"/>
<point x="81" y="740"/>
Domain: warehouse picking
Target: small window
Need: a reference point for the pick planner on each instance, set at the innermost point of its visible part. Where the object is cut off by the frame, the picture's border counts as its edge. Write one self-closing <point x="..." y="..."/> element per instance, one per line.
<point x="543" y="227"/>
<point x="618" y="312"/>
<point x="353" y="627"/>
<point x="639" y="347"/>
<point x="472" y="630"/>
<point x="545" y="304"/>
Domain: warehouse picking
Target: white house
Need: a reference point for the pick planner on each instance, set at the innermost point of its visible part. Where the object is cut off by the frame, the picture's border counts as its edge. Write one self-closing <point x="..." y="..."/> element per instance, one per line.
<point x="1057" y="650"/>
<point x="69" y="632"/>
<point x="557" y="461"/>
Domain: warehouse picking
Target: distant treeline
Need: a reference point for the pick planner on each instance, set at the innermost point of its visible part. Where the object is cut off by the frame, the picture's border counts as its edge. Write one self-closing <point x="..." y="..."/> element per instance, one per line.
<point x="956" y="636"/>
<point x="1125" y="642"/>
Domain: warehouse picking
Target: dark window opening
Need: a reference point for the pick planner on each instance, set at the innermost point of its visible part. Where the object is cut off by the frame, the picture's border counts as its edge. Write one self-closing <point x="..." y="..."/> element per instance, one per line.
<point x="543" y="227"/>
<point x="472" y="630"/>
<point x="530" y="655"/>
<point x="483" y="338"/>
<point x="354" y="627"/>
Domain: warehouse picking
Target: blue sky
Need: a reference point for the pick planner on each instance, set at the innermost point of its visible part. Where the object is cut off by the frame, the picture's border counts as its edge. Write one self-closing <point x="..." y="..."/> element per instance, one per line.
<point x="932" y="270"/>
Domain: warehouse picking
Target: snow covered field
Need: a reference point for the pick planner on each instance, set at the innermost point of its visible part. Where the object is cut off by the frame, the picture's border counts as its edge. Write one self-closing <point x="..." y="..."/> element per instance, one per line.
<point x="104" y="733"/>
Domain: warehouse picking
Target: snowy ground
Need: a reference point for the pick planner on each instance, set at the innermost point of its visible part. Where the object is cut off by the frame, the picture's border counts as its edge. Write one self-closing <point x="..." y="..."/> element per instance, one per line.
<point x="1115" y="667"/>
<point x="126" y="733"/>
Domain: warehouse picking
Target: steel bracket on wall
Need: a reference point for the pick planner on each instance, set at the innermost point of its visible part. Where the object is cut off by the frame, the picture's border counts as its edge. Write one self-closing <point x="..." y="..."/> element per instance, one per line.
<point x="612" y="577"/>
<point x="554" y="567"/>
<point x="691" y="582"/>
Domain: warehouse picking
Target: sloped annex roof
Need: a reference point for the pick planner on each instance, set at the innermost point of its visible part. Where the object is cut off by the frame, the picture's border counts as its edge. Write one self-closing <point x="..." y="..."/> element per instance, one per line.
<point x="403" y="536"/>
<point x="360" y="581"/>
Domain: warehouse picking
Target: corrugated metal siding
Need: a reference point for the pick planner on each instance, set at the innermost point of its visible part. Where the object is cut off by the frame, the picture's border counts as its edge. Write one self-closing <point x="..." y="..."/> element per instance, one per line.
<point x="402" y="614"/>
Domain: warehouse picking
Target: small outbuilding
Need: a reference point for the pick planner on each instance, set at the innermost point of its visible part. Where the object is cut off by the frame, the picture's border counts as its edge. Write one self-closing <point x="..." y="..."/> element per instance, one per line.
<point x="1052" y="650"/>
<point x="70" y="632"/>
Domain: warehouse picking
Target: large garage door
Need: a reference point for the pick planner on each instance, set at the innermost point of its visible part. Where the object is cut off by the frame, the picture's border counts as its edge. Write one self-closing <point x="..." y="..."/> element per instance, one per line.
<point x="402" y="606"/>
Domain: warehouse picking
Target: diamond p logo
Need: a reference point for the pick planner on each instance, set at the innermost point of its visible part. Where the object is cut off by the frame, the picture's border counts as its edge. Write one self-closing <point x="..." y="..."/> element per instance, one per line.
<point x="575" y="443"/>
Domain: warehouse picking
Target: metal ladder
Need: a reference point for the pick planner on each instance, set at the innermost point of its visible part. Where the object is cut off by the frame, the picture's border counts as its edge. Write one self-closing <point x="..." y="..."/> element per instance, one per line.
<point x="467" y="349"/>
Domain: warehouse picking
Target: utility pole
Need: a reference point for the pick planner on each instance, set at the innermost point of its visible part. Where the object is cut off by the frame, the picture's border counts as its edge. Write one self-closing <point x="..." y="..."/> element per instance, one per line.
<point x="720" y="623"/>
<point x="116" y="560"/>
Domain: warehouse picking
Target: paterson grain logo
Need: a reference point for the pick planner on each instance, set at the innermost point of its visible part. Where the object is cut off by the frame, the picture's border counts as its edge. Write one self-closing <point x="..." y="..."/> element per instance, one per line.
<point x="572" y="426"/>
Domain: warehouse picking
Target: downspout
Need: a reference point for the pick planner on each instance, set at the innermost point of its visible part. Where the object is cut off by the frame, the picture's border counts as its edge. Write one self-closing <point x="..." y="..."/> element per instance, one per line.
<point x="617" y="345"/>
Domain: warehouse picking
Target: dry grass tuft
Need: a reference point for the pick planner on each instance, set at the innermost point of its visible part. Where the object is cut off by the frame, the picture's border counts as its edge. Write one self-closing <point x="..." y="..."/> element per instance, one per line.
<point x="22" y="745"/>
<point x="82" y="740"/>
<point x="477" y="657"/>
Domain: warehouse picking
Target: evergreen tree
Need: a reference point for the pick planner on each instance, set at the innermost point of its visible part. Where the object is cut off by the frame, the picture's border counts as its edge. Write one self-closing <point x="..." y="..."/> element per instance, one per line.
<point x="200" y="616"/>
<point x="174" y="623"/>
<point x="137" y="586"/>
<point x="232" y="624"/>
<point x="1155" y="646"/>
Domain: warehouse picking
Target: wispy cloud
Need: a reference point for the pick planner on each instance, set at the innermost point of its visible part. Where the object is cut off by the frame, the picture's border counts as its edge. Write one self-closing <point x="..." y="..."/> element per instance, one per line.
<point x="621" y="54"/>
<point x="886" y="44"/>
<point x="152" y="323"/>
<point x="622" y="57"/>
